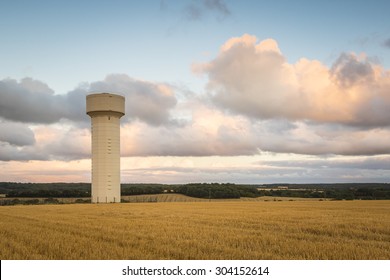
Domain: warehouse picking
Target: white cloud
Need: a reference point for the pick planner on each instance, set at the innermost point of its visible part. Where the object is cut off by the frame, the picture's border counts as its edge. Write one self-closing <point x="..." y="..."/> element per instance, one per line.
<point x="255" y="80"/>
<point x="208" y="132"/>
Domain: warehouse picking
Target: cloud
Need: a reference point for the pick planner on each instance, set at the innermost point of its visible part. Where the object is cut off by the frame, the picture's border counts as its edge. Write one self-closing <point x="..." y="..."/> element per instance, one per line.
<point x="206" y="131"/>
<point x="46" y="171"/>
<point x="63" y="142"/>
<point x="262" y="169"/>
<point x="326" y="139"/>
<point x="10" y="152"/>
<point x="36" y="124"/>
<point x="360" y="163"/>
<point x="193" y="12"/>
<point x="209" y="132"/>
<point x="331" y="169"/>
<point x="256" y="102"/>
<point x="387" y="43"/>
<point x="255" y="80"/>
<point x="217" y="5"/>
<point x="16" y="134"/>
<point x="196" y="10"/>
<point x="28" y="101"/>
<point x="348" y="71"/>
<point x="32" y="101"/>
<point x="145" y="101"/>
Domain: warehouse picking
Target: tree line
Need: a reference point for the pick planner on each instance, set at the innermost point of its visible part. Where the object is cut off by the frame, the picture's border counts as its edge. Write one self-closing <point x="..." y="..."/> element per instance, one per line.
<point x="203" y="190"/>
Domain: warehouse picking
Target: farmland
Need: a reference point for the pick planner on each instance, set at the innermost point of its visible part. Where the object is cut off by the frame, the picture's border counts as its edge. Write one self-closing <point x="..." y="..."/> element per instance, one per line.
<point x="198" y="230"/>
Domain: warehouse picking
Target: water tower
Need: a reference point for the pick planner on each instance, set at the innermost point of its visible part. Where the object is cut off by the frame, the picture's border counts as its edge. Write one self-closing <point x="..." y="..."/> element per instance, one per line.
<point x="105" y="110"/>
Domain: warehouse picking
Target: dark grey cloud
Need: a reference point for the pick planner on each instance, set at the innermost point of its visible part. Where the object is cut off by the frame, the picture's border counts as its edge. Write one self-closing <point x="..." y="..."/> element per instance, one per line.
<point x="209" y="174"/>
<point x="371" y="99"/>
<point x="196" y="10"/>
<point x="330" y="170"/>
<point x="10" y="152"/>
<point x="145" y="101"/>
<point x="348" y="70"/>
<point x="193" y="12"/>
<point x="366" y="163"/>
<point x="217" y="5"/>
<point x="163" y="5"/>
<point x="32" y="101"/>
<point x="16" y="134"/>
<point x="387" y="43"/>
<point x="74" y="104"/>
<point x="28" y="101"/>
<point x="309" y="138"/>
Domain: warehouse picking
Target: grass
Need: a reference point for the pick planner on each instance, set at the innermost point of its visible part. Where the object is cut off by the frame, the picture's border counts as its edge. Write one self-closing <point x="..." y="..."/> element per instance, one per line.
<point x="198" y="230"/>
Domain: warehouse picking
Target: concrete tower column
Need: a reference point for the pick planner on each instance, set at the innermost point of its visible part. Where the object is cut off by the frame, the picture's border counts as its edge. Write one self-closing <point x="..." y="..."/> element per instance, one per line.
<point x="105" y="110"/>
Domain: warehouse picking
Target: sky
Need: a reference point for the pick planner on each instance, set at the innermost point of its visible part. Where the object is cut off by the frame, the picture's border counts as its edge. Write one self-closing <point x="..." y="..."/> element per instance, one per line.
<point x="244" y="91"/>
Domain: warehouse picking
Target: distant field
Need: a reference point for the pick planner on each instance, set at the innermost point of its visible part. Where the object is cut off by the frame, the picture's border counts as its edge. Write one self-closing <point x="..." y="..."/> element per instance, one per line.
<point x="183" y="198"/>
<point x="198" y="230"/>
<point x="164" y="197"/>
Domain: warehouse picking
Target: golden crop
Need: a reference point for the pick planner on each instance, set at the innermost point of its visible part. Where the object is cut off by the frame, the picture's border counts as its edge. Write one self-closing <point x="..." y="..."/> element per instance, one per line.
<point x="198" y="230"/>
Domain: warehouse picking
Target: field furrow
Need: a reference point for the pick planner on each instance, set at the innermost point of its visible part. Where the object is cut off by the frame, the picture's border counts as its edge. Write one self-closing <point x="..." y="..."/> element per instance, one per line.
<point x="198" y="230"/>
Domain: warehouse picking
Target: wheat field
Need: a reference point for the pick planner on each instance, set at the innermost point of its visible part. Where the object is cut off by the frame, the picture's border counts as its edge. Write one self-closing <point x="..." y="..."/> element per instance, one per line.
<point x="198" y="230"/>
